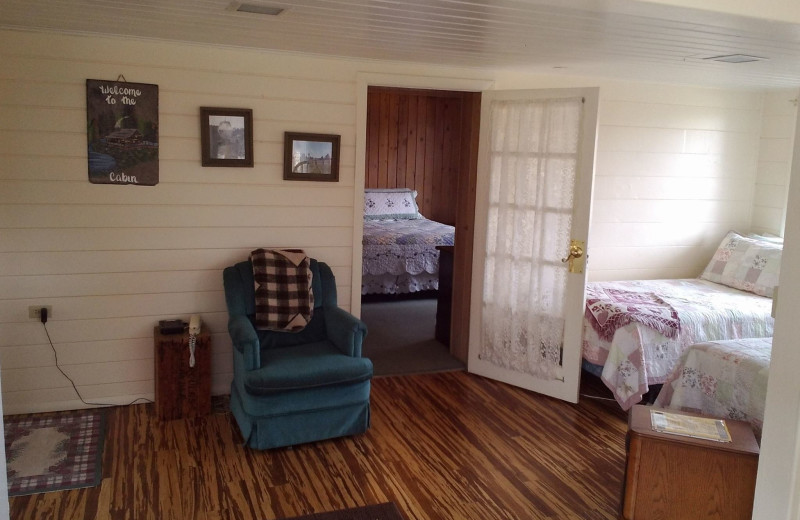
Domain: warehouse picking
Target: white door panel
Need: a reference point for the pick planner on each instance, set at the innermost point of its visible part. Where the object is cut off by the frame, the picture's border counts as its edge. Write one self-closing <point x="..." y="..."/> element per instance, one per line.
<point x="507" y="178"/>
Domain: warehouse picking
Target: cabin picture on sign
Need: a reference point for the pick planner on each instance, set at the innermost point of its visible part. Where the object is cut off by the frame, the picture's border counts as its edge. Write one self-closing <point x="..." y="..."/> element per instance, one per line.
<point x="122" y="132"/>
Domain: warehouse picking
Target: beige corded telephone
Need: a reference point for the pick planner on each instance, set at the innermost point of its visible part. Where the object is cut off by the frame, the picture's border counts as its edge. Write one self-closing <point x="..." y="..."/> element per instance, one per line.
<point x="194" y="330"/>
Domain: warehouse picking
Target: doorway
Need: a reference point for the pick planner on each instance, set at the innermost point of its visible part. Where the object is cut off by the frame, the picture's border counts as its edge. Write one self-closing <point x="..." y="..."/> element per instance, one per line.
<point x="419" y="140"/>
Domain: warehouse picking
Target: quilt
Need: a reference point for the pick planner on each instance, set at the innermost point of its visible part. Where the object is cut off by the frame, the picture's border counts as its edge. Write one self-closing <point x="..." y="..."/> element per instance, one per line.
<point x="724" y="379"/>
<point x="399" y="253"/>
<point x="638" y="355"/>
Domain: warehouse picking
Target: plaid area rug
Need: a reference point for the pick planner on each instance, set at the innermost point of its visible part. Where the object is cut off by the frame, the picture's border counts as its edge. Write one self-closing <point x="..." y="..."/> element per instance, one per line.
<point x="54" y="452"/>
<point x="386" y="511"/>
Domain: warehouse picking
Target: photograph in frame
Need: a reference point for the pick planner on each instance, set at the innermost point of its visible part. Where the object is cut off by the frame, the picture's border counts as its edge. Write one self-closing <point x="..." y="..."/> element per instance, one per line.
<point x="226" y="136"/>
<point x="311" y="157"/>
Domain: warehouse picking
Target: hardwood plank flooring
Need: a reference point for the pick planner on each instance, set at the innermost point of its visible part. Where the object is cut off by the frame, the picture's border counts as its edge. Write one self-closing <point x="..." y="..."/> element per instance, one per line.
<point x="444" y="446"/>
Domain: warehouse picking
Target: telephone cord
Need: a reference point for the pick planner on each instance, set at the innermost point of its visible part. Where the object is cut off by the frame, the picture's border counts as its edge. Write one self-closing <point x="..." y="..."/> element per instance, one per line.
<point x="192" y="342"/>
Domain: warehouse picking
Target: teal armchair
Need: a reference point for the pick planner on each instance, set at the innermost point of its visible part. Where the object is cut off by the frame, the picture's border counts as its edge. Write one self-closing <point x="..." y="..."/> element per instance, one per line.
<point x="295" y="387"/>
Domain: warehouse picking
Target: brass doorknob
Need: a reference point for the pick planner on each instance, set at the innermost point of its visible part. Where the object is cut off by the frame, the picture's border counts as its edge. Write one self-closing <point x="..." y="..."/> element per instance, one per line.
<point x="575" y="251"/>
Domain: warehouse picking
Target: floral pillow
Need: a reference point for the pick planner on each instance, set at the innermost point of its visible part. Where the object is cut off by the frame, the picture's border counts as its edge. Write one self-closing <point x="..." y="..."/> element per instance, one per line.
<point x="746" y="263"/>
<point x="397" y="203"/>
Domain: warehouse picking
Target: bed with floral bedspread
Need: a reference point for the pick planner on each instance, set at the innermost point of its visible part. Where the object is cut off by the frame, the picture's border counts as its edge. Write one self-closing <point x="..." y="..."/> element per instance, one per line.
<point x="637" y="331"/>
<point x="724" y="379"/>
<point x="400" y="256"/>
<point x="399" y="244"/>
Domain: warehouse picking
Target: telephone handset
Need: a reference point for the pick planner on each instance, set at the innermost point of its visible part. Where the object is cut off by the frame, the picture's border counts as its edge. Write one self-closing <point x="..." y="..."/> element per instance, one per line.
<point x="194" y="330"/>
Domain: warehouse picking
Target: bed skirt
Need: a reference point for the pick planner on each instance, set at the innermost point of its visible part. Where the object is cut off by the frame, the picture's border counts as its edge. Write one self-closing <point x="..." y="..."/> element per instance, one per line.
<point x="399" y="283"/>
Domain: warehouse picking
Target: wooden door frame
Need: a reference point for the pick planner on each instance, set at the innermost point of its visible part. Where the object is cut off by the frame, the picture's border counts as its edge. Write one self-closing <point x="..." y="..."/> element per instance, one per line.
<point x="466" y="195"/>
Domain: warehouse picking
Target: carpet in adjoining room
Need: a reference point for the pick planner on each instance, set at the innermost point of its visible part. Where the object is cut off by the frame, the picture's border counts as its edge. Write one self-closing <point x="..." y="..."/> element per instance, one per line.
<point x="387" y="511"/>
<point x="54" y="451"/>
<point x="400" y="338"/>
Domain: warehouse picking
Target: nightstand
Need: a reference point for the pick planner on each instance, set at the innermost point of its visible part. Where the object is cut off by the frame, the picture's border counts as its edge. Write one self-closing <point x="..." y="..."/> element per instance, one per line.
<point x="182" y="390"/>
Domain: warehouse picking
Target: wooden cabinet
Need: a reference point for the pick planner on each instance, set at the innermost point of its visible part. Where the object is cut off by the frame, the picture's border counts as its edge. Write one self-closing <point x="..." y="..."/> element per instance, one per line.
<point x="444" y="297"/>
<point x="182" y="390"/>
<point x="673" y="477"/>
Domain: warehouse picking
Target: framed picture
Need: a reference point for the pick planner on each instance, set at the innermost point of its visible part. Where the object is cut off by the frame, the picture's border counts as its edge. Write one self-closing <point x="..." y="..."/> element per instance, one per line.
<point x="226" y="136"/>
<point x="311" y="157"/>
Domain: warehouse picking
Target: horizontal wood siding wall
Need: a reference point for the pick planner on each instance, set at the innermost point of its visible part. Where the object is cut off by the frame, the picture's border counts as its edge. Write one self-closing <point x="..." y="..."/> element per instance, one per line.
<point x="675" y="171"/>
<point x="414" y="141"/>
<point x="113" y="260"/>
<point x="775" y="161"/>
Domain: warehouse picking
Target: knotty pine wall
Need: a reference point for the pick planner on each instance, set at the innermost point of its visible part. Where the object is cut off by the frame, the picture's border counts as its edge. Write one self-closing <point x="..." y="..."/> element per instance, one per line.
<point x="414" y="141"/>
<point x="675" y="170"/>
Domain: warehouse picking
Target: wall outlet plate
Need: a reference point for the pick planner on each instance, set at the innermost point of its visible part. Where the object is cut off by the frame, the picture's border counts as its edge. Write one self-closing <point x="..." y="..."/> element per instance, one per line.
<point x="35" y="311"/>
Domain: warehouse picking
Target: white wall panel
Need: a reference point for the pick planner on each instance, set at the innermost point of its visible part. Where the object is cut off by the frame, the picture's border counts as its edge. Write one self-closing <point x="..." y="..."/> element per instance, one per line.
<point x="89" y="262"/>
<point x="774" y="161"/>
<point x="675" y="171"/>
<point x="82" y="239"/>
<point x="733" y="164"/>
<point x="645" y="273"/>
<point x="113" y="260"/>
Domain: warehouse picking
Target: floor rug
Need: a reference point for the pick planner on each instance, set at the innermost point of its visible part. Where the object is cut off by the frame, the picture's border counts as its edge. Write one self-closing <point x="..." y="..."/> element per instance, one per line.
<point x="387" y="511"/>
<point x="53" y="452"/>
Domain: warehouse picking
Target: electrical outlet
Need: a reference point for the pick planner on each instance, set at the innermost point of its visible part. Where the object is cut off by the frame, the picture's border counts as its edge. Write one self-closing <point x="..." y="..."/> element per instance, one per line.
<point x="35" y="311"/>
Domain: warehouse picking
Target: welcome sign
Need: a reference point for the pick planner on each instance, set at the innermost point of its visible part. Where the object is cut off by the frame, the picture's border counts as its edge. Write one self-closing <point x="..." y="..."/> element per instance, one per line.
<point x="122" y="132"/>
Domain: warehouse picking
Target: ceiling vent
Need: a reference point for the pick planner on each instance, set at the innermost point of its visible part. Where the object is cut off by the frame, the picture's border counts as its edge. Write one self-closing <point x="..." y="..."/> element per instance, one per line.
<point x="736" y="58"/>
<point x="257" y="9"/>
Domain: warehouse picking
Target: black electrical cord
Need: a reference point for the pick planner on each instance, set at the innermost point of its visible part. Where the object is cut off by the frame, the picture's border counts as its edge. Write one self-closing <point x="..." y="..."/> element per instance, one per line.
<point x="43" y="319"/>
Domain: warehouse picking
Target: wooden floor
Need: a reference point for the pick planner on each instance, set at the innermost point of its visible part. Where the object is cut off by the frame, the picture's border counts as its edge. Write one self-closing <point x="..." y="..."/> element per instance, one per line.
<point x="442" y="446"/>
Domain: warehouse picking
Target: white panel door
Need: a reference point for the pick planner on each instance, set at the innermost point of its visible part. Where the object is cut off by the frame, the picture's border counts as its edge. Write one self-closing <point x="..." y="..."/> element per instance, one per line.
<point x="534" y="189"/>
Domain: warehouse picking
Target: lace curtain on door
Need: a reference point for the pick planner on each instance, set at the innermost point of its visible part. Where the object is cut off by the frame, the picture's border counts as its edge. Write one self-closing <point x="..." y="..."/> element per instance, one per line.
<point x="534" y="153"/>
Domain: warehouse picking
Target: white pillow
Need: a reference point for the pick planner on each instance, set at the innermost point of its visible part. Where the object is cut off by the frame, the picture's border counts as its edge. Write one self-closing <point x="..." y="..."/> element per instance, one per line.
<point x="390" y="203"/>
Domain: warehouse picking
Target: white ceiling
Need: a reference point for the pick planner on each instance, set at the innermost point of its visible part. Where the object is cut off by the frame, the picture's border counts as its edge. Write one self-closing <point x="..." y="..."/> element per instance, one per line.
<point x="617" y="38"/>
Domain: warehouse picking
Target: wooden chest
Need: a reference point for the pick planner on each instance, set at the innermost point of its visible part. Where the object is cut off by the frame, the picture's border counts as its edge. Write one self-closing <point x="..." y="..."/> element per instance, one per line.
<point x="670" y="477"/>
<point x="181" y="390"/>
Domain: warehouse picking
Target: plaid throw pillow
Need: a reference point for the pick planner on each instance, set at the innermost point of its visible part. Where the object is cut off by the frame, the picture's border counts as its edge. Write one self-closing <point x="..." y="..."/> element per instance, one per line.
<point x="284" y="299"/>
<point x="746" y="263"/>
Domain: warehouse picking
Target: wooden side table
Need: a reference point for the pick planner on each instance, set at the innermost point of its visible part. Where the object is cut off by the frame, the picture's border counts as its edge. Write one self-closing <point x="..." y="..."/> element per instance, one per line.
<point x="674" y="477"/>
<point x="181" y="390"/>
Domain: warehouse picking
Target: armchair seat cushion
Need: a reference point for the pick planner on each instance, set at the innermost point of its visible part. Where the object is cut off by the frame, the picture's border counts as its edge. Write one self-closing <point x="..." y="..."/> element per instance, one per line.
<point x="306" y="366"/>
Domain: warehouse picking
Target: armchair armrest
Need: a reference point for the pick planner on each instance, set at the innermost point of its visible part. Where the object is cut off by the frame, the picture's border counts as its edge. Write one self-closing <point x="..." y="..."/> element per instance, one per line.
<point x="245" y="340"/>
<point x="345" y="330"/>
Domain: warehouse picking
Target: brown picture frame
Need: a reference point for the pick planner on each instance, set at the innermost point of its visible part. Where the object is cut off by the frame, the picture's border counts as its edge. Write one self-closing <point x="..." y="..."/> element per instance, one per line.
<point x="311" y="157"/>
<point x="226" y="137"/>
